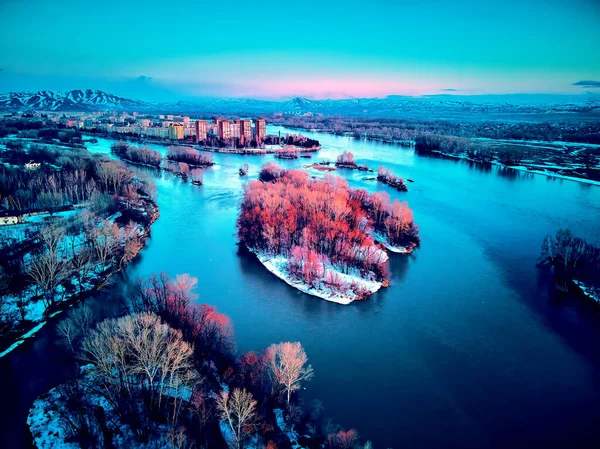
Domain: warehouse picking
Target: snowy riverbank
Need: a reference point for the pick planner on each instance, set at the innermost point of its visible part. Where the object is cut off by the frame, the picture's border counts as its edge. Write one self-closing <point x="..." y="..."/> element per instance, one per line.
<point x="590" y="292"/>
<point x="28" y="312"/>
<point x="278" y="265"/>
<point x="395" y="249"/>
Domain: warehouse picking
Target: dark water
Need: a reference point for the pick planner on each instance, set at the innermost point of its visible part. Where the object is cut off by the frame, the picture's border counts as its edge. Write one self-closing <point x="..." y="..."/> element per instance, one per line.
<point x="468" y="348"/>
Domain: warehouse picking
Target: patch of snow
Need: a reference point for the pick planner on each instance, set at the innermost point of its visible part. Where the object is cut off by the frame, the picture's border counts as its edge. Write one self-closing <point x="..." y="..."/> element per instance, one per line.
<point x="590" y="292"/>
<point x="554" y="175"/>
<point x="395" y="249"/>
<point x="45" y="424"/>
<point x="291" y="433"/>
<point x="278" y="265"/>
<point x="22" y="339"/>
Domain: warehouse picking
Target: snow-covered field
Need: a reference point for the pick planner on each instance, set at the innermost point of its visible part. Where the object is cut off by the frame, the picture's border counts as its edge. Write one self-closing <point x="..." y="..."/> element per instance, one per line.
<point x="555" y="175"/>
<point x="525" y="169"/>
<point x="278" y="265"/>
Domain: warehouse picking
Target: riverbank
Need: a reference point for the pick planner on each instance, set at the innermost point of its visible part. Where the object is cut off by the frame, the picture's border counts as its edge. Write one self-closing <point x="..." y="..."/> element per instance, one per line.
<point x="278" y="265"/>
<point x="39" y="314"/>
<point x="256" y="151"/>
<point x="379" y="238"/>
<point x="524" y="168"/>
<point x="590" y="292"/>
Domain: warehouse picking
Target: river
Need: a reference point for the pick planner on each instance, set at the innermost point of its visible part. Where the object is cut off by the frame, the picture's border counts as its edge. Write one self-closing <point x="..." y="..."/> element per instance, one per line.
<point x="467" y="348"/>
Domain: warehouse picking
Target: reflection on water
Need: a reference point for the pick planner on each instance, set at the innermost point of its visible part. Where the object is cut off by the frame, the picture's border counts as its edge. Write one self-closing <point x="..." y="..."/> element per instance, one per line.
<point x="466" y="348"/>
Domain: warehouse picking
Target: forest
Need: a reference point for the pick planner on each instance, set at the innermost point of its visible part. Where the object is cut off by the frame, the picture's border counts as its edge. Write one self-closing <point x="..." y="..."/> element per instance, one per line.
<point x="390" y="129"/>
<point x="165" y="374"/>
<point x="317" y="224"/>
<point x="84" y="218"/>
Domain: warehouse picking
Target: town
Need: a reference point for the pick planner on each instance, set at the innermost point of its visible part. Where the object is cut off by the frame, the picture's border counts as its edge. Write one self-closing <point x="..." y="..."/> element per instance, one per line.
<point x="215" y="134"/>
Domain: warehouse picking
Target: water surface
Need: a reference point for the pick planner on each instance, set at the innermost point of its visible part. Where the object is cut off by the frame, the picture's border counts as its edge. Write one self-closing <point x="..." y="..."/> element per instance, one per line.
<point x="468" y="348"/>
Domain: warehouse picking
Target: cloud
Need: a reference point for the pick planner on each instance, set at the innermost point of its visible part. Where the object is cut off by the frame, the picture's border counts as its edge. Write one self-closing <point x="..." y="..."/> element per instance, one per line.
<point x="450" y="90"/>
<point x="144" y="79"/>
<point x="588" y="84"/>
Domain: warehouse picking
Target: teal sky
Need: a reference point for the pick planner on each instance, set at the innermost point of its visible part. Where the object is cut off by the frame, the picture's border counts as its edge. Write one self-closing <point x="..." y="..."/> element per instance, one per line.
<point x="160" y="49"/>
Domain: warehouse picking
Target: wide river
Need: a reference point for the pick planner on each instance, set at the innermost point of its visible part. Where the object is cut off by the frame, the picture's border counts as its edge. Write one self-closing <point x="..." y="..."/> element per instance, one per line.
<point x="468" y="347"/>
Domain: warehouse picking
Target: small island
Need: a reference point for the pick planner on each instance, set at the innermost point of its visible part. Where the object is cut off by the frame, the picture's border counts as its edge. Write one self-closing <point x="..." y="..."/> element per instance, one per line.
<point x="385" y="176"/>
<point x="320" y="236"/>
<point x="346" y="160"/>
<point x="575" y="262"/>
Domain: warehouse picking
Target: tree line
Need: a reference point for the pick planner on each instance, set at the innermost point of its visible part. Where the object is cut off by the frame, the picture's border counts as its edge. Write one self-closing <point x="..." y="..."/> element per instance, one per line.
<point x="390" y="129"/>
<point x="138" y="155"/>
<point x="190" y="156"/>
<point x="166" y="374"/>
<point x="59" y="258"/>
<point x="319" y="222"/>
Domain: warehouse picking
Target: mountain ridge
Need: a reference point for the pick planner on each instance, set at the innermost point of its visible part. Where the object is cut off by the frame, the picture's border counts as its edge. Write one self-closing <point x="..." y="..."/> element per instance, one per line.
<point x="394" y="105"/>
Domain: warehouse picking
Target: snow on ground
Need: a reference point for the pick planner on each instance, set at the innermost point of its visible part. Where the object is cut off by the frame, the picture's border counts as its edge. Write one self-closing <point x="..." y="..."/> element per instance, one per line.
<point x="278" y="266"/>
<point x="554" y="175"/>
<point x="291" y="433"/>
<point x="42" y="217"/>
<point x="539" y="142"/>
<point x="48" y="432"/>
<point x="590" y="292"/>
<point x="525" y="169"/>
<point x="22" y="339"/>
<point x="45" y="425"/>
<point x="395" y="249"/>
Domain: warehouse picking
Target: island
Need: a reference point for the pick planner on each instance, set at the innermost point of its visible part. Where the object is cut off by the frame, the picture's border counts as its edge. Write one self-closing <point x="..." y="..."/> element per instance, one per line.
<point x="575" y="262"/>
<point x="346" y="160"/>
<point x="182" y="161"/>
<point x="321" y="236"/>
<point x="385" y="176"/>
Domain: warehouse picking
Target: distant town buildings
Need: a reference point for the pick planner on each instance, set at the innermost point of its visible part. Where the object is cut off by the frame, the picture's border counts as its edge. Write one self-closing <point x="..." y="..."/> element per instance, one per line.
<point x="224" y="129"/>
<point x="260" y="130"/>
<point x="172" y="127"/>
<point x="246" y="129"/>
<point x="176" y="131"/>
<point x="201" y="130"/>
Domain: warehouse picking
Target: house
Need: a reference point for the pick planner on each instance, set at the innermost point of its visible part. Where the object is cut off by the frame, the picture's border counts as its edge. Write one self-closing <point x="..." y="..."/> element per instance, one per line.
<point x="8" y="217"/>
<point x="32" y="165"/>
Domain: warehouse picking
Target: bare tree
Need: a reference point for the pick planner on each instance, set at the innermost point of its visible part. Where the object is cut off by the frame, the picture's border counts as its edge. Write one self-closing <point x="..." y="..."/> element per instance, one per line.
<point x="106" y="240"/>
<point x="238" y="409"/>
<point x="50" y="268"/>
<point x="286" y="364"/>
<point x="140" y="353"/>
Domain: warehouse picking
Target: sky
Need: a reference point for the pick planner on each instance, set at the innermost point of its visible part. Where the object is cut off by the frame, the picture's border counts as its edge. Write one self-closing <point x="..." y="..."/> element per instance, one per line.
<point x="160" y="50"/>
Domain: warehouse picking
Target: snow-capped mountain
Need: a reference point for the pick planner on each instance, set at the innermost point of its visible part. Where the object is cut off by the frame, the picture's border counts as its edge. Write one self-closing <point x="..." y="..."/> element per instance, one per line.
<point x="73" y="100"/>
<point x="433" y="106"/>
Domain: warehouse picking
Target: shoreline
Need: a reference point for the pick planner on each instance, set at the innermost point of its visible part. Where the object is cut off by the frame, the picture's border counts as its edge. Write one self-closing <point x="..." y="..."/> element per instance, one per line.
<point x="277" y="266"/>
<point x="394" y="249"/>
<point x="407" y="144"/>
<point x="520" y="168"/>
<point x="76" y="298"/>
<point x="255" y="151"/>
<point x="166" y="143"/>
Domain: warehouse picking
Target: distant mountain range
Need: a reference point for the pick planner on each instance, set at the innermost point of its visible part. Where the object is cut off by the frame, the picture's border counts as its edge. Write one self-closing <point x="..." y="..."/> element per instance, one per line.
<point x="433" y="106"/>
